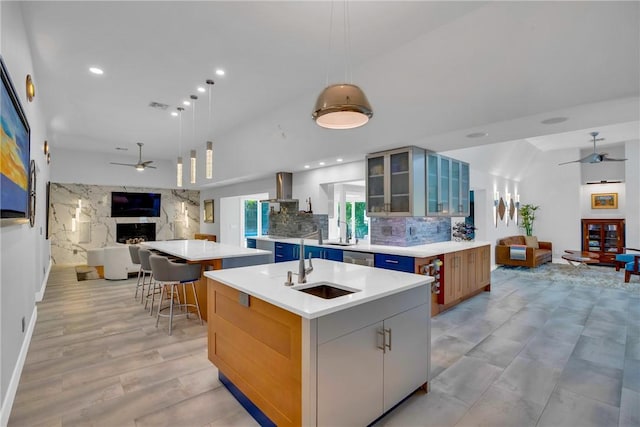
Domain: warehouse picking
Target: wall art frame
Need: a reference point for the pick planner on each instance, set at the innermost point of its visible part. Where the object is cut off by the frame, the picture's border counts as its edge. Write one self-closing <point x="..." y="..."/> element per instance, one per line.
<point x="604" y="201"/>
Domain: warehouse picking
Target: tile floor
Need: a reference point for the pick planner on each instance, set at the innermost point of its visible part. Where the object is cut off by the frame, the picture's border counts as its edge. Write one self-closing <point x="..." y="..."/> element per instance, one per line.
<point x="528" y="353"/>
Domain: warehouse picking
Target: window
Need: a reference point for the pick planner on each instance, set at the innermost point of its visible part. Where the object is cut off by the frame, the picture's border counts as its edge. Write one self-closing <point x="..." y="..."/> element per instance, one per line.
<point x="256" y="218"/>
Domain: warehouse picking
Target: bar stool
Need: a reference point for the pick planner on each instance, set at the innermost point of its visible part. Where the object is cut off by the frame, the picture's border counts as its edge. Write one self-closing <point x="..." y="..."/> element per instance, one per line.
<point x="135" y="259"/>
<point x="172" y="274"/>
<point x="145" y="267"/>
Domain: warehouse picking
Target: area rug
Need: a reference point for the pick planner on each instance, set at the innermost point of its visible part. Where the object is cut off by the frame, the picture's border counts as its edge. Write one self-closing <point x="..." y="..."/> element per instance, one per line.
<point x="84" y="272"/>
<point x="594" y="276"/>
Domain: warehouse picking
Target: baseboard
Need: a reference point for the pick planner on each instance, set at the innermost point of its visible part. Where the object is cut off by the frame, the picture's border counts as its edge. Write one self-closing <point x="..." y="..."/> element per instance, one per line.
<point x="43" y="286"/>
<point x="7" y="403"/>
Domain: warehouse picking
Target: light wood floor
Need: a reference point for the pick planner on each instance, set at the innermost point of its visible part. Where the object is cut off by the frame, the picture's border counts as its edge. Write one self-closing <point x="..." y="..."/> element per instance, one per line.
<point x="529" y="353"/>
<point x="96" y="358"/>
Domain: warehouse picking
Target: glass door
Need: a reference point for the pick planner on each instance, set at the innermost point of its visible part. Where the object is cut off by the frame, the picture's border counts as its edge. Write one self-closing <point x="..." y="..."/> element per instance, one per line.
<point x="465" y="189"/>
<point x="456" y="207"/>
<point x="594" y="237"/>
<point x="611" y="238"/>
<point x="445" y="183"/>
<point x="375" y="184"/>
<point x="432" y="184"/>
<point x="400" y="179"/>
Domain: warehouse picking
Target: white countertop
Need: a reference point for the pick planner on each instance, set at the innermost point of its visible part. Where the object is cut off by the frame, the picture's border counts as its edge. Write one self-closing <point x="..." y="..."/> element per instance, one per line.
<point x="420" y="251"/>
<point x="266" y="282"/>
<point x="202" y="250"/>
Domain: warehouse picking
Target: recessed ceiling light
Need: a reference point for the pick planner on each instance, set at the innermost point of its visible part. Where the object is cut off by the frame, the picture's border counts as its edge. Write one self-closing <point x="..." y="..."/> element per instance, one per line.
<point x="478" y="135"/>
<point x="201" y="89"/>
<point x="186" y="103"/>
<point x="307" y="166"/>
<point x="96" y="70"/>
<point x="174" y="114"/>
<point x="554" y="120"/>
<point x="220" y="72"/>
<point x="339" y="160"/>
<point x="321" y="163"/>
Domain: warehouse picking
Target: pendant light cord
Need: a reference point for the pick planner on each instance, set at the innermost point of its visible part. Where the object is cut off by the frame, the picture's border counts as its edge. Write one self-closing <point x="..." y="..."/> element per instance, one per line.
<point x="347" y="43"/>
<point x="209" y="119"/>
<point x="330" y="40"/>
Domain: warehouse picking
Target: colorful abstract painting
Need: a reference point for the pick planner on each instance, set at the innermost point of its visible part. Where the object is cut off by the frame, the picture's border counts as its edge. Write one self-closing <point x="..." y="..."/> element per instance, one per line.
<point x="14" y="152"/>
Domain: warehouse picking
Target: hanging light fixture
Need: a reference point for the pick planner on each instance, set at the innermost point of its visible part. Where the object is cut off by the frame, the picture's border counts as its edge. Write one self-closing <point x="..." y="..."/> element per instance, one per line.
<point x="179" y="163"/>
<point x="342" y="106"/>
<point x="192" y="157"/>
<point x="209" y="153"/>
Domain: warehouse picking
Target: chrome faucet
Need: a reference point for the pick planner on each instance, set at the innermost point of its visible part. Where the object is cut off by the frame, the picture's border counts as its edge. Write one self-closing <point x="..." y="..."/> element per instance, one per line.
<point x="347" y="234"/>
<point x="303" y="271"/>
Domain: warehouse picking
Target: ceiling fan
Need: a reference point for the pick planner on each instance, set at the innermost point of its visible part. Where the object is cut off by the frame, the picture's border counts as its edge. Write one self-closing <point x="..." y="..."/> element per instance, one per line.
<point x="595" y="157"/>
<point x="140" y="165"/>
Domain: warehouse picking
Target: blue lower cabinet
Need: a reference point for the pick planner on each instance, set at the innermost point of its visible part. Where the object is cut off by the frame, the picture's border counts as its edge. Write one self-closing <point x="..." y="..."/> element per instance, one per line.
<point x="323" y="253"/>
<point x="394" y="262"/>
<point x="251" y="243"/>
<point x="286" y="252"/>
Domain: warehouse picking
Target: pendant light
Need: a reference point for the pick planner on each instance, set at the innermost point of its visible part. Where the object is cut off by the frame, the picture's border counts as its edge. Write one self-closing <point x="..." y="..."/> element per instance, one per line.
<point x="179" y="163"/>
<point x="192" y="157"/>
<point x="342" y="106"/>
<point x="209" y="152"/>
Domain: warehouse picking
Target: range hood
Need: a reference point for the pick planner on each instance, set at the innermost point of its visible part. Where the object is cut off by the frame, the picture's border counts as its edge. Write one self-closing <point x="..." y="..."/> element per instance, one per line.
<point x="284" y="185"/>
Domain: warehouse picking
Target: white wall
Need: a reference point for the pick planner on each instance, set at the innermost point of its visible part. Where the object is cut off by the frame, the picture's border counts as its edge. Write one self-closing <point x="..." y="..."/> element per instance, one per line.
<point x="632" y="180"/>
<point x="25" y="253"/>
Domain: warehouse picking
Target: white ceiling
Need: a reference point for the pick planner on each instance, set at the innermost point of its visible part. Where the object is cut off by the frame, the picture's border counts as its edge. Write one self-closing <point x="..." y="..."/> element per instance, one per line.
<point x="433" y="71"/>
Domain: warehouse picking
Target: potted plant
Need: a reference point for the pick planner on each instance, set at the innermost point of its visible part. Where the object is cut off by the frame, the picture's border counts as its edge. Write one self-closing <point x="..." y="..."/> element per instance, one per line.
<point x="527" y="215"/>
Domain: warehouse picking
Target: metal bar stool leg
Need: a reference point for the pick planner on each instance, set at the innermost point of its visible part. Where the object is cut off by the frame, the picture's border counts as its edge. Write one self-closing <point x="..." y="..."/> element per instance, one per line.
<point x="160" y="304"/>
<point x="138" y="283"/>
<point x="171" y="309"/>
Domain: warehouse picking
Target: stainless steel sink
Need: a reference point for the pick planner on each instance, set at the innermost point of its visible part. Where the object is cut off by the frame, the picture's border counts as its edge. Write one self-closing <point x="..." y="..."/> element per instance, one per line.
<point x="325" y="290"/>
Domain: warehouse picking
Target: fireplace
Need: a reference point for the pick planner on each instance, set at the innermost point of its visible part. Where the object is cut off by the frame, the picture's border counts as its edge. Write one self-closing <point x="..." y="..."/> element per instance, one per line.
<point x="135" y="233"/>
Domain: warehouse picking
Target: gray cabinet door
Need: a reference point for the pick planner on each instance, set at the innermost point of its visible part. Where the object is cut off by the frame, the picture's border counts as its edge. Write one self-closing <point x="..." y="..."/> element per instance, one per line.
<point x="349" y="380"/>
<point x="406" y="360"/>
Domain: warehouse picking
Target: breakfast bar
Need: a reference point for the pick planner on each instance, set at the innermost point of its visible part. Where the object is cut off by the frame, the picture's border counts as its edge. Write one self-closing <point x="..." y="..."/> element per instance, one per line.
<point x="342" y="349"/>
<point x="208" y="254"/>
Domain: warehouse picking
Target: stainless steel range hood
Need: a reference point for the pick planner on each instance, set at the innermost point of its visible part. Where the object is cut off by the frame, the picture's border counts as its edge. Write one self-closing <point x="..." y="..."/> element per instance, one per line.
<point x="284" y="185"/>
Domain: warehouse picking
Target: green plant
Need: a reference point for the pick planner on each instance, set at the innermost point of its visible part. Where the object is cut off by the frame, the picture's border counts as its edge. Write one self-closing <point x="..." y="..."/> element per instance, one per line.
<point x="527" y="216"/>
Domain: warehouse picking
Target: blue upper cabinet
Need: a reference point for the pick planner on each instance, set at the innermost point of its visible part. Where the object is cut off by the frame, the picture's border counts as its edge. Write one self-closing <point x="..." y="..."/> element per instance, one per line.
<point x="286" y="252"/>
<point x="323" y="253"/>
<point x="394" y="262"/>
<point x="251" y="243"/>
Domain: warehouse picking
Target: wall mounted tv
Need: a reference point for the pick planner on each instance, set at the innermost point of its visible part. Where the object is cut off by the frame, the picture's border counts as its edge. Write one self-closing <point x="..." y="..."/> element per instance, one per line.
<point x="124" y="204"/>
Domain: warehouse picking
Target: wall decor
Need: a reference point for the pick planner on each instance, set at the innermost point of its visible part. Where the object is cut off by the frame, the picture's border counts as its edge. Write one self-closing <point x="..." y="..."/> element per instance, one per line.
<point x="208" y="211"/>
<point x="14" y="178"/>
<point x="46" y="219"/>
<point x="32" y="193"/>
<point x="31" y="88"/>
<point x="604" y="201"/>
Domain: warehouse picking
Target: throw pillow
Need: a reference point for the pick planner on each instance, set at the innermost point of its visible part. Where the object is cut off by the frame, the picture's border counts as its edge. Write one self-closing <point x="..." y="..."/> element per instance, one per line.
<point x="532" y="241"/>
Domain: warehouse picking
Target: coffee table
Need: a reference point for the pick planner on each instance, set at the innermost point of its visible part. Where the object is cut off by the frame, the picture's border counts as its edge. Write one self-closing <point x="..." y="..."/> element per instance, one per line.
<point x="581" y="258"/>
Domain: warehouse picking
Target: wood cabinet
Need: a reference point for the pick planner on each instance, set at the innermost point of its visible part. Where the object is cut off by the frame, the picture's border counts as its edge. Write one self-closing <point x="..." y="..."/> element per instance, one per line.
<point x="605" y="237"/>
<point x="396" y="182"/>
<point x="365" y="373"/>
<point x="448" y="185"/>
<point x="465" y="273"/>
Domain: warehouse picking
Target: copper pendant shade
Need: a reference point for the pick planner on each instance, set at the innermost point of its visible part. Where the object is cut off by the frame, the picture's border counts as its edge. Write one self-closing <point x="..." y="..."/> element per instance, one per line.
<point x="342" y="106"/>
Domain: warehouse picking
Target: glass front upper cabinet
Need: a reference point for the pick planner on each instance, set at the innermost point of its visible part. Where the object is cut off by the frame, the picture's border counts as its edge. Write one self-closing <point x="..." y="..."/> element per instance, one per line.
<point x="447" y="186"/>
<point x="396" y="182"/>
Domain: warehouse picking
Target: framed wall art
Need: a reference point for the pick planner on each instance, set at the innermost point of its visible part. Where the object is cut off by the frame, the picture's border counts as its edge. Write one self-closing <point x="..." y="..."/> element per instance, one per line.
<point x="15" y="173"/>
<point x="604" y="201"/>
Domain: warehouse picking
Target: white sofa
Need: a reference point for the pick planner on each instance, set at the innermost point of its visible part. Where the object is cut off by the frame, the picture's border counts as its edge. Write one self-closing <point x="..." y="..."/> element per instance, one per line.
<point x="116" y="260"/>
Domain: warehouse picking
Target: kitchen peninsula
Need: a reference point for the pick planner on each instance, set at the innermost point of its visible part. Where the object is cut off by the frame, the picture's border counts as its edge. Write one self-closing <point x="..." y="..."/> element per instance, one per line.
<point x="293" y="358"/>
<point x="208" y="254"/>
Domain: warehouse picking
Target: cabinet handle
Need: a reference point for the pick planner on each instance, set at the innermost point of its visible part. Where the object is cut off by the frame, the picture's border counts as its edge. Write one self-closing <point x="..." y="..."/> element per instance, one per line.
<point x="391" y="261"/>
<point x="388" y="331"/>
<point x="384" y="340"/>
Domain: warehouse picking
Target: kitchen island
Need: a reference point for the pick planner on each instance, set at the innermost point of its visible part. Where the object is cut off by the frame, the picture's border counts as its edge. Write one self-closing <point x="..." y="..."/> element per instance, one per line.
<point x="293" y="358"/>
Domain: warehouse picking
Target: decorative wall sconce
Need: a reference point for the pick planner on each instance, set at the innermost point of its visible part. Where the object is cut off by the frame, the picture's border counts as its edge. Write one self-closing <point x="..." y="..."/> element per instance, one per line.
<point x="517" y="209"/>
<point x="45" y="148"/>
<point x="31" y="88"/>
<point x="186" y="218"/>
<point x="48" y="158"/>
<point x="502" y="208"/>
<point x="496" y="202"/>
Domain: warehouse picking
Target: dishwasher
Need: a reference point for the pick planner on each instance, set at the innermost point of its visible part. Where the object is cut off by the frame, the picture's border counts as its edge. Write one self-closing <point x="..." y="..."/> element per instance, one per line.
<point x="360" y="258"/>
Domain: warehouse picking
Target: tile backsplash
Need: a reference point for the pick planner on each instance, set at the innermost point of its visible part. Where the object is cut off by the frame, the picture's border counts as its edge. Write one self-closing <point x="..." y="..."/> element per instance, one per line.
<point x="409" y="231"/>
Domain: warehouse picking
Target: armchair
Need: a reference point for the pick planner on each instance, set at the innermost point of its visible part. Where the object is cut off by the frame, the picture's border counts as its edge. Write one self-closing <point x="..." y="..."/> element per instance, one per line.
<point x="623" y="258"/>
<point x="522" y="255"/>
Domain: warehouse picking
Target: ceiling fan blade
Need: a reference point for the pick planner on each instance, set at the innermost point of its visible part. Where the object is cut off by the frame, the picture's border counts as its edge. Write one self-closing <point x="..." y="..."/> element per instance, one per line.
<point x="566" y="163"/>
<point x="150" y="167"/>
<point x="123" y="164"/>
<point x="609" y="159"/>
<point x="146" y="163"/>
